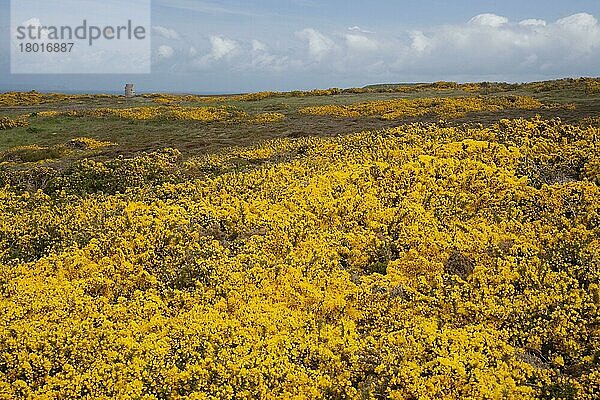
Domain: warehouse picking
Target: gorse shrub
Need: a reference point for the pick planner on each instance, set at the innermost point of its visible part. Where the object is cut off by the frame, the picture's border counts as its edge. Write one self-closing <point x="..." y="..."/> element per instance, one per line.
<point x="447" y="108"/>
<point x="171" y="112"/>
<point x="423" y="261"/>
<point x="9" y="123"/>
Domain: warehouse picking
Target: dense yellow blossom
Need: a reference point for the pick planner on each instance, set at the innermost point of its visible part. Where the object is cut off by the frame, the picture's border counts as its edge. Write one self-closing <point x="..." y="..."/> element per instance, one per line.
<point x="593" y="86"/>
<point x="9" y="123"/>
<point x="88" y="143"/>
<point x="172" y="112"/>
<point x="49" y="113"/>
<point x="20" y="98"/>
<point x="420" y="262"/>
<point x="33" y="153"/>
<point x="10" y="99"/>
<point x="452" y="107"/>
<point x="207" y="114"/>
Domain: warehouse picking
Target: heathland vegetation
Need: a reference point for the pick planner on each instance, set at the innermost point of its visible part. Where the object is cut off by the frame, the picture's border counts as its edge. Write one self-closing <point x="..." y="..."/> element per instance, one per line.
<point x="403" y="242"/>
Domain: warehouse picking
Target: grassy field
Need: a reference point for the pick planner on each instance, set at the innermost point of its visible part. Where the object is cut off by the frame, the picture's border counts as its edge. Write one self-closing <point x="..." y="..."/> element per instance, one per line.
<point x="431" y="241"/>
<point x="193" y="137"/>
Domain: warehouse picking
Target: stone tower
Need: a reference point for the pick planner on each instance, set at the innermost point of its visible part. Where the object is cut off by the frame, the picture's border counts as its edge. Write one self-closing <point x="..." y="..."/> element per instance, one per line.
<point x="129" y="91"/>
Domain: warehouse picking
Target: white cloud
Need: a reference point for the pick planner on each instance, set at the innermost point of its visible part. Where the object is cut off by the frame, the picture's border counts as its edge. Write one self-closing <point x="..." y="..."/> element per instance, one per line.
<point x="318" y="44"/>
<point x="361" y="43"/>
<point x="222" y="46"/>
<point x="492" y="45"/>
<point x="358" y="29"/>
<point x="263" y="60"/>
<point x="491" y="20"/>
<point x="486" y="47"/>
<point x="164" y="52"/>
<point x="533" y="22"/>
<point x="258" y="45"/>
<point x="165" y="32"/>
<point x="221" y="53"/>
<point x="271" y="62"/>
<point x="580" y="32"/>
<point x="420" y="42"/>
<point x="581" y="20"/>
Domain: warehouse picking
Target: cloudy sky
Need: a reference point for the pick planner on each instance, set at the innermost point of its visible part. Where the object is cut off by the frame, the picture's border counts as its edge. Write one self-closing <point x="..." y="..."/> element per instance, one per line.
<point x="237" y="46"/>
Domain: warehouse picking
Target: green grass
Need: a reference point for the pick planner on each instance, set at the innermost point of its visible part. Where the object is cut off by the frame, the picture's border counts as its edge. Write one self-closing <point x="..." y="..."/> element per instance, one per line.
<point x="194" y="138"/>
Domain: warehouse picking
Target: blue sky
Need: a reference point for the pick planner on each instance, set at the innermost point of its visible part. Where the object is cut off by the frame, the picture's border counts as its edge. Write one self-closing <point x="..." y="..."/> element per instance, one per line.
<point x="238" y="46"/>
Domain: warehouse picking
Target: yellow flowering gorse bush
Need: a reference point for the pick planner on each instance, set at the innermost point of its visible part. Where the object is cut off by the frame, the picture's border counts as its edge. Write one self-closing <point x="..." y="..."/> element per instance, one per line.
<point x="11" y="99"/>
<point x="9" y="123"/>
<point x="34" y="153"/>
<point x="171" y="112"/>
<point x="48" y="114"/>
<point x="88" y="143"/>
<point x="425" y="261"/>
<point x="452" y="107"/>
